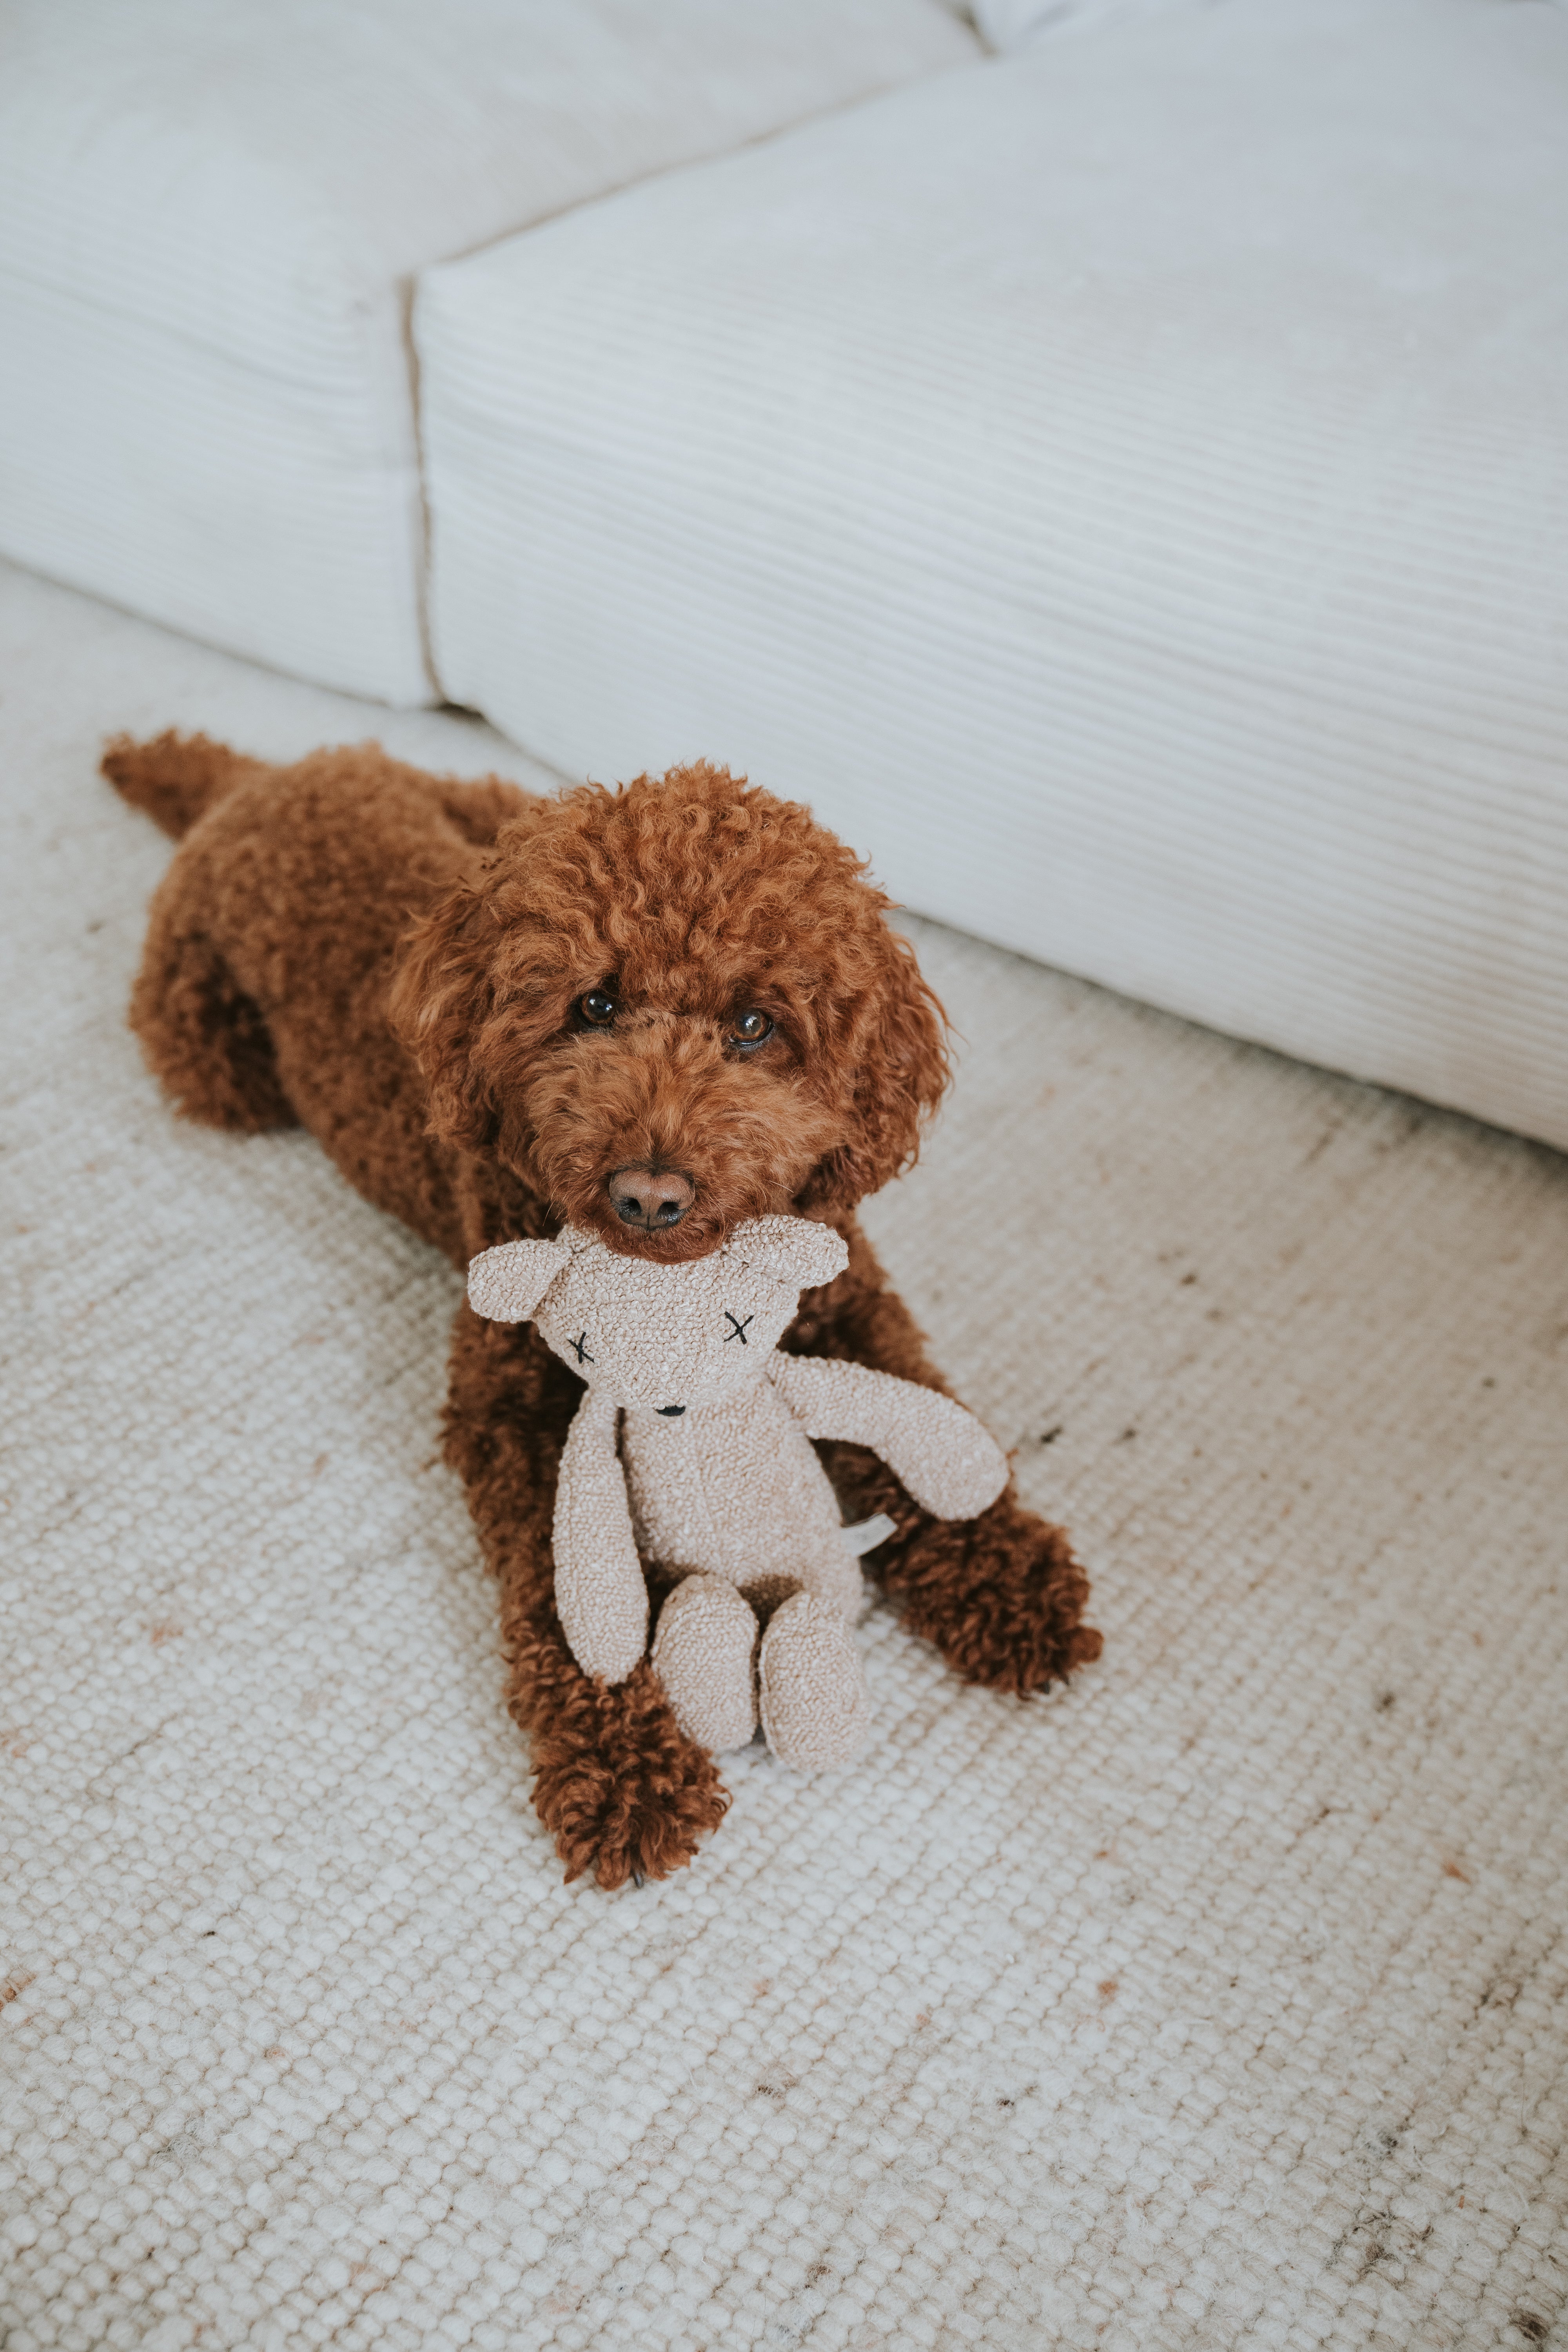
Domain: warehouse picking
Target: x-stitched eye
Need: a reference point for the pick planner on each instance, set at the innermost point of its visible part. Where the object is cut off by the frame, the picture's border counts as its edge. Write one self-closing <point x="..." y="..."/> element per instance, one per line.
<point x="580" y="1344"/>
<point x="739" y="1330"/>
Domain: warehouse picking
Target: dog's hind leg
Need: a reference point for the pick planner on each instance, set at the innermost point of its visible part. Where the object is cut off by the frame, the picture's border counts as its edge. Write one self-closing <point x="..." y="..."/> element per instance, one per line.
<point x="202" y="1037"/>
<point x="205" y="1039"/>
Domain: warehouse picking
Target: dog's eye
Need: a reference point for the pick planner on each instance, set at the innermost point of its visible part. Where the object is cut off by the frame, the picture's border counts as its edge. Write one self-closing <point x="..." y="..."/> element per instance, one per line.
<point x="751" y="1028"/>
<point x="597" y="1007"/>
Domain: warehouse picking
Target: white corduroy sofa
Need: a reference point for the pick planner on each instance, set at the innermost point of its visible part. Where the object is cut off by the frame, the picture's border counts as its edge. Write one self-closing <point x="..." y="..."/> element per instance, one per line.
<point x="1121" y="482"/>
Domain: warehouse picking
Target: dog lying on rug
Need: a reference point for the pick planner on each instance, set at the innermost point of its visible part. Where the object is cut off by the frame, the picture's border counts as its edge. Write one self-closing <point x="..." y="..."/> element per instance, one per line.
<point x="651" y="1014"/>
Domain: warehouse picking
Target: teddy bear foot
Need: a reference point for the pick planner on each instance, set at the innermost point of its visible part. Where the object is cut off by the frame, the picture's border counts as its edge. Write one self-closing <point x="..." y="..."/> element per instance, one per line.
<point x="815" y="1709"/>
<point x="704" y="1653"/>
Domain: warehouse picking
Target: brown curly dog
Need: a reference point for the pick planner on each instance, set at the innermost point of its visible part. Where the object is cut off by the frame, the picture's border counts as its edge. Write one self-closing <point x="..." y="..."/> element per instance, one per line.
<point x="654" y="1011"/>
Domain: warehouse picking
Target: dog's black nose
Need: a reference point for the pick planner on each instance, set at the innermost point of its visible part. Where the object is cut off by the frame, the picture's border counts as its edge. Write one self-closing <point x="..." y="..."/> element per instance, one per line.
<point x="669" y="1409"/>
<point x="651" y="1198"/>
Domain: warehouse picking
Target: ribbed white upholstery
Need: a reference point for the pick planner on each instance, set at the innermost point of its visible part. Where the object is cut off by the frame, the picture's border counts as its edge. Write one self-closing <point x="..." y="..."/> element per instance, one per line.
<point x="1125" y="489"/>
<point x="209" y="214"/>
<point x="1009" y="25"/>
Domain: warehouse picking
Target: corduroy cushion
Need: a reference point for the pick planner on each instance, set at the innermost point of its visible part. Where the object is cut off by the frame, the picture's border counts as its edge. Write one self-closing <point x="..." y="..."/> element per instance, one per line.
<point x="1125" y="486"/>
<point x="210" y="211"/>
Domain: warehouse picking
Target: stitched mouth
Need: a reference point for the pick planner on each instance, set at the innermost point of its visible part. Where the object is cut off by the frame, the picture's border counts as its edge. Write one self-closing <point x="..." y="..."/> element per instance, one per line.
<point x="670" y="1411"/>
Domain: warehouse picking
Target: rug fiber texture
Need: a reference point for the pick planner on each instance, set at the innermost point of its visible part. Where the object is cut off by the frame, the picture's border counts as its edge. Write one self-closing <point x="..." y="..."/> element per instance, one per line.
<point x="1216" y="2001"/>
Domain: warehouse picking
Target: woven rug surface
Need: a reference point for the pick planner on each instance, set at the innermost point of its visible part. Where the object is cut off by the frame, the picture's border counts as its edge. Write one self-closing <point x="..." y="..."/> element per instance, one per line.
<point x="1217" y="2001"/>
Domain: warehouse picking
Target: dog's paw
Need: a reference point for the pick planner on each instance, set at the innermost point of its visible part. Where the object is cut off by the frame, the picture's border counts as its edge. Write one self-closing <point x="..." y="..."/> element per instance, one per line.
<point x="623" y="1791"/>
<point x="1000" y="1597"/>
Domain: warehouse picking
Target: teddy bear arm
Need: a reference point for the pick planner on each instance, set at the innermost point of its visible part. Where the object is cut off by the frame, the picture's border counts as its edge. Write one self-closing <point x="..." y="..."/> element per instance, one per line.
<point x="952" y="1465"/>
<point x="600" y="1595"/>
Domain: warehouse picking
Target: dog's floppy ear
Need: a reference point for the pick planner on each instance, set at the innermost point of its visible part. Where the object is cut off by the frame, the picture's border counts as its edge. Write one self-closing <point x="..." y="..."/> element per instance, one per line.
<point x="506" y="1284"/>
<point x="893" y="1058"/>
<point x="793" y="1248"/>
<point x="441" y="996"/>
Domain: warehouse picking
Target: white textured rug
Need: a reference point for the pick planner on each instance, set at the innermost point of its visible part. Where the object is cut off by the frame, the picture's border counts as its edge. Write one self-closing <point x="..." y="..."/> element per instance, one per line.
<point x="1218" y="2003"/>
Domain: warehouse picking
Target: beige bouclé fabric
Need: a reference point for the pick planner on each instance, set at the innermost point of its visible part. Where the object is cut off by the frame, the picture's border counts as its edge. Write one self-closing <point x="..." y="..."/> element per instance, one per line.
<point x="706" y="1648"/>
<point x="714" y="1426"/>
<point x="811" y="1694"/>
<point x="1217" y="2003"/>
<point x="600" y="1595"/>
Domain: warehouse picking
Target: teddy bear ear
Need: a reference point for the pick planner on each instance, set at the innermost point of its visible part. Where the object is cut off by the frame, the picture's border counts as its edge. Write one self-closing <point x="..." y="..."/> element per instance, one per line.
<point x="506" y="1284"/>
<point x="795" y="1249"/>
<point x="574" y="1241"/>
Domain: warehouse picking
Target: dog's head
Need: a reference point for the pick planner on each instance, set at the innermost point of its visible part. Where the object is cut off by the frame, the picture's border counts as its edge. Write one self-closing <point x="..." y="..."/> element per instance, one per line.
<point x="671" y="1007"/>
<point x="664" y="1337"/>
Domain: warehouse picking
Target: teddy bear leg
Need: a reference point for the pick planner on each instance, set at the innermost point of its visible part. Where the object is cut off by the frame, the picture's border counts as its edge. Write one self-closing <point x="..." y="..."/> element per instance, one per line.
<point x="814" y="1710"/>
<point x="704" y="1652"/>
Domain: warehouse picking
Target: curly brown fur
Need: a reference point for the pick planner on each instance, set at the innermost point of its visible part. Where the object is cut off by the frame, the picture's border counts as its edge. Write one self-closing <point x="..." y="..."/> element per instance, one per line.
<point x="398" y="962"/>
<point x="691" y="898"/>
<point x="1002" y="1596"/>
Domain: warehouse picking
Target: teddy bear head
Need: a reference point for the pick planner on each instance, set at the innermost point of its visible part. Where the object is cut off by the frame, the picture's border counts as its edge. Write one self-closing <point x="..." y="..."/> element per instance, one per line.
<point x="660" y="1337"/>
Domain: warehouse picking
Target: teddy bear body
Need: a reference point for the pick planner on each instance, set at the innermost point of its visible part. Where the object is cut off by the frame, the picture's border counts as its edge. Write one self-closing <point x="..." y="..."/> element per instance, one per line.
<point x="736" y="1490"/>
<point x="691" y="1448"/>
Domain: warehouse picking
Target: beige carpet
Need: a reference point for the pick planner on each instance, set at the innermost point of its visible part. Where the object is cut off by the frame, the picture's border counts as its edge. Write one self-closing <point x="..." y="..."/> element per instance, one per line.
<point x="1218" y="2003"/>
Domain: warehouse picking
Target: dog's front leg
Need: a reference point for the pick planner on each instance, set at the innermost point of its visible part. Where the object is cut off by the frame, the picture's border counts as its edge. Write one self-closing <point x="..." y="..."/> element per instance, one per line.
<point x="1000" y="1596"/>
<point x="620" y="1787"/>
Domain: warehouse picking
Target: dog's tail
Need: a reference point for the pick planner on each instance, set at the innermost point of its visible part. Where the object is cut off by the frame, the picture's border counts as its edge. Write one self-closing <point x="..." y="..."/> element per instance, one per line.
<point x="175" y="780"/>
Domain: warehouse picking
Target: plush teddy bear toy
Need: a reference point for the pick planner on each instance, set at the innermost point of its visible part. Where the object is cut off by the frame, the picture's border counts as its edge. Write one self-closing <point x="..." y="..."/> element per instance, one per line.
<point x="693" y="1444"/>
